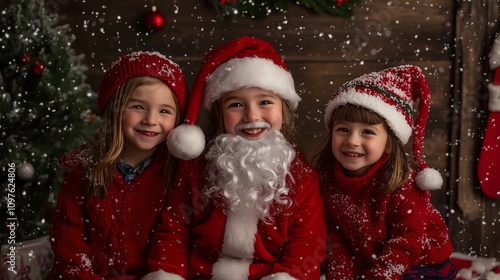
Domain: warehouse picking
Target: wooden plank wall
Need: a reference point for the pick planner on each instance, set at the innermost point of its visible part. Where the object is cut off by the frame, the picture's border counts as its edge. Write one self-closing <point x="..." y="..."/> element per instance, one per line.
<point x="477" y="221"/>
<point x="322" y="52"/>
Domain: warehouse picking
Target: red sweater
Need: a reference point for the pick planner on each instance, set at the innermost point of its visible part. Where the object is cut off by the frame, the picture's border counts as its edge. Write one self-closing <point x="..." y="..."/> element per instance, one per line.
<point x="105" y="238"/>
<point x="379" y="236"/>
<point x="189" y="241"/>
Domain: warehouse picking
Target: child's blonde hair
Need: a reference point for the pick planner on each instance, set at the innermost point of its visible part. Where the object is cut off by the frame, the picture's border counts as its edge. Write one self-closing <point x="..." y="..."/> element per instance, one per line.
<point x="104" y="152"/>
<point x="398" y="163"/>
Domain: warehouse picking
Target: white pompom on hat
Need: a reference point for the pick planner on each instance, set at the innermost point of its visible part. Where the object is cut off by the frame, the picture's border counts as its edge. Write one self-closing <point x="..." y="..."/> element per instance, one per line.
<point x="391" y="94"/>
<point x="240" y="63"/>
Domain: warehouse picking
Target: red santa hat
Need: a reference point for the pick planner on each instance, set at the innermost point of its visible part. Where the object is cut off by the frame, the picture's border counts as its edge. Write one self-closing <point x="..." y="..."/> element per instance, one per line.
<point x="391" y="94"/>
<point x="241" y="63"/>
<point x="136" y="64"/>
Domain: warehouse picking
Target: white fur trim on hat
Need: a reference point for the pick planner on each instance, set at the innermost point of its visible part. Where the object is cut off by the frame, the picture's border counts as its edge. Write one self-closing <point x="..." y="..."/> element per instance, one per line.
<point x="161" y="275"/>
<point x="429" y="179"/>
<point x="395" y="119"/>
<point x="186" y="142"/>
<point x="239" y="73"/>
<point x="279" y="276"/>
<point x="494" y="98"/>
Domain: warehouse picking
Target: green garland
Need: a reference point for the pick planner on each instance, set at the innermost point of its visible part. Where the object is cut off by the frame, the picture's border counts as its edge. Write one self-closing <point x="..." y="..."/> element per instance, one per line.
<point x="262" y="8"/>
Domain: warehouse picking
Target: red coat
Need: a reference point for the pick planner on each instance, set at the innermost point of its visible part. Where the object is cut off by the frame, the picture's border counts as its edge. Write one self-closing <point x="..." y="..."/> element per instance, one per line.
<point x="105" y="238"/>
<point x="379" y="236"/>
<point x="189" y="240"/>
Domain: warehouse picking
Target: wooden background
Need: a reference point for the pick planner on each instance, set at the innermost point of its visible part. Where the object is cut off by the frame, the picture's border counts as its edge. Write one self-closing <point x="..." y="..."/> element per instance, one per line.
<point x="449" y="40"/>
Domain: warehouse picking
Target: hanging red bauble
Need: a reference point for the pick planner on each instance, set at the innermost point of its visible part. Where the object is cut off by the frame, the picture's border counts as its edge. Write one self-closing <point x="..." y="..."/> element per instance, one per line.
<point x="38" y="68"/>
<point x="153" y="21"/>
<point x="24" y="59"/>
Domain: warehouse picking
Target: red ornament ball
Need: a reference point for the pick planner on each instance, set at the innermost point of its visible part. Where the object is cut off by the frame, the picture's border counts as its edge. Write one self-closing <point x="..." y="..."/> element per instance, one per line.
<point x="38" y="68"/>
<point x="24" y="59"/>
<point x="153" y="21"/>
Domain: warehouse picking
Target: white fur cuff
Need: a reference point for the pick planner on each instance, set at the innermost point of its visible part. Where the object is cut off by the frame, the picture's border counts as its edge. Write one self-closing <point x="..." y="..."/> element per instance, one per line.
<point x="229" y="269"/>
<point x="161" y="275"/>
<point x="278" y="276"/>
<point x="494" y="99"/>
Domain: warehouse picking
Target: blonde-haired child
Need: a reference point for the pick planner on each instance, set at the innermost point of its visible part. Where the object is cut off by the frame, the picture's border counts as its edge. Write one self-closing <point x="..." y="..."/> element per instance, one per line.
<point x="115" y="185"/>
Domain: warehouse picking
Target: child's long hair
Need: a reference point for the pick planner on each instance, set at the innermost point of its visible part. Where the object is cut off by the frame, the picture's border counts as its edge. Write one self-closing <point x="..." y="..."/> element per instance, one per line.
<point x="398" y="162"/>
<point x="216" y="121"/>
<point x="109" y="141"/>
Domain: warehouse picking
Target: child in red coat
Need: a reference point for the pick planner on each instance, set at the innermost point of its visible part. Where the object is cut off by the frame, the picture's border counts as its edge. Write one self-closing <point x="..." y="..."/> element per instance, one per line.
<point x="250" y="208"/>
<point x="115" y="185"/>
<point x="381" y="223"/>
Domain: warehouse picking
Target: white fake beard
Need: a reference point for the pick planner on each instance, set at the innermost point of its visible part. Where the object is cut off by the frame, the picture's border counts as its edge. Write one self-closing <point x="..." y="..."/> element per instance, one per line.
<point x="250" y="174"/>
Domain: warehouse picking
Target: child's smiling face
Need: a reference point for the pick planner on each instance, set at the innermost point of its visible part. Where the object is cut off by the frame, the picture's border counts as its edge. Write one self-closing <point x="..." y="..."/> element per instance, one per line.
<point x="251" y="112"/>
<point x="149" y="116"/>
<point x="357" y="146"/>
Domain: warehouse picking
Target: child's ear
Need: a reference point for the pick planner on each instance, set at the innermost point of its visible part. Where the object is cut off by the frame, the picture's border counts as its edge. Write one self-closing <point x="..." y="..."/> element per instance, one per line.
<point x="388" y="147"/>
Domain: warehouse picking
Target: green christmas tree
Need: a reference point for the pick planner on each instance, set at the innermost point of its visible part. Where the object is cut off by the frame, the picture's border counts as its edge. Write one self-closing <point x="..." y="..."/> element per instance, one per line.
<point x="46" y="109"/>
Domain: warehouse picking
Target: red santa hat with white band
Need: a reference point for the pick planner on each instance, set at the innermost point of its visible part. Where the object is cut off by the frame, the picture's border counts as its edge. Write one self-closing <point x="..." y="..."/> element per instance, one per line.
<point x="391" y="94"/>
<point x="241" y="63"/>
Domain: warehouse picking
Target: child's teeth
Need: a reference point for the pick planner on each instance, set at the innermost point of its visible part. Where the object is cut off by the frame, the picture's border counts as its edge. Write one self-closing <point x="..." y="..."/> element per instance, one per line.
<point x="252" y="131"/>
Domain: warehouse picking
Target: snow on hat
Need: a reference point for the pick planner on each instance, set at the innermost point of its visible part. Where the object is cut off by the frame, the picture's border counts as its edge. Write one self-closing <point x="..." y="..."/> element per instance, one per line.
<point x="136" y="64"/>
<point x="391" y="94"/>
<point x="241" y="63"/>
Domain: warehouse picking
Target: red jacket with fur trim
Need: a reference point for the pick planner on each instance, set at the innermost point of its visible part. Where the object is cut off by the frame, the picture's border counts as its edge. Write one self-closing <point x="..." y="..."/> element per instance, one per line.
<point x="379" y="236"/>
<point x="108" y="237"/>
<point x="189" y="240"/>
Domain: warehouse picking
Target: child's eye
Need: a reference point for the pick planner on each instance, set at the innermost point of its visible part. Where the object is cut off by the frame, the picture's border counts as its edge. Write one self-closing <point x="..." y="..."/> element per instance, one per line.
<point x="367" y="131"/>
<point x="266" y="102"/>
<point x="165" y="111"/>
<point x="136" y="106"/>
<point x="234" y="104"/>
<point x="341" y="129"/>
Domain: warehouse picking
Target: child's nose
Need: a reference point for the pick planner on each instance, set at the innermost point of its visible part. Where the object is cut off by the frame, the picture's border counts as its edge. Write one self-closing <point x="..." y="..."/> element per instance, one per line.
<point x="352" y="140"/>
<point x="150" y="119"/>
<point x="251" y="115"/>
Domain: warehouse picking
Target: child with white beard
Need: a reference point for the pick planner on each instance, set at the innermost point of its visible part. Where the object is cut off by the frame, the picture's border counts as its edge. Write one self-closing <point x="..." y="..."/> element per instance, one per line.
<point x="250" y="207"/>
